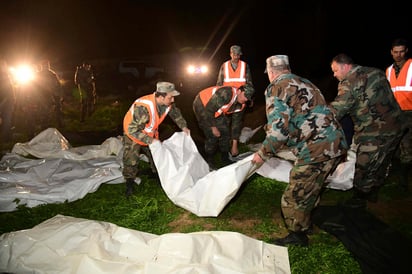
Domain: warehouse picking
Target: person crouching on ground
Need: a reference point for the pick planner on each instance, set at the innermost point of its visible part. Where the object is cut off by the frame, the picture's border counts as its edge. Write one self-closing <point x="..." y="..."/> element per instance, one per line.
<point x="141" y="124"/>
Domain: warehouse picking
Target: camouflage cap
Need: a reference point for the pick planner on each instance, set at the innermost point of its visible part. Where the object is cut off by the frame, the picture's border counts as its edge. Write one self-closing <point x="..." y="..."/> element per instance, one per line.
<point x="277" y="60"/>
<point x="236" y="49"/>
<point x="166" y="87"/>
<point x="249" y="91"/>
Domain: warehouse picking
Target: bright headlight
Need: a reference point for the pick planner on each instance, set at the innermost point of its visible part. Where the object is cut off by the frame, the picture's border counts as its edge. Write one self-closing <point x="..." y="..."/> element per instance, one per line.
<point x="204" y="69"/>
<point x="22" y="74"/>
<point x="192" y="69"/>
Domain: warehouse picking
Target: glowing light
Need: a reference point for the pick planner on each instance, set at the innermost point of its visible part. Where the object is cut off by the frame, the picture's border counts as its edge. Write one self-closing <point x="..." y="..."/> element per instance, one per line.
<point x="192" y="69"/>
<point x="22" y="74"/>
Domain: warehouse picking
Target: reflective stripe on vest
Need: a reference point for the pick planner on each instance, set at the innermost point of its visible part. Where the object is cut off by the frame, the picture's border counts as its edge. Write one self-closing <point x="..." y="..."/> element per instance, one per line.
<point x="234" y="78"/>
<point x="152" y="125"/>
<point x="401" y="85"/>
<point x="207" y="93"/>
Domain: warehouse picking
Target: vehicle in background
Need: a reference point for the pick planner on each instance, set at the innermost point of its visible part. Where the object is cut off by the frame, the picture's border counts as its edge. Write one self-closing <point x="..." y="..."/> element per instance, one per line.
<point x="195" y="68"/>
<point x="139" y="69"/>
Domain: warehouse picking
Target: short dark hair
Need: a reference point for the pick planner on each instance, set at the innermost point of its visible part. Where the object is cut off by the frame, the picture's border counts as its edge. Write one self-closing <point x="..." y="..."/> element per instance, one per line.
<point x="343" y="58"/>
<point x="400" y="42"/>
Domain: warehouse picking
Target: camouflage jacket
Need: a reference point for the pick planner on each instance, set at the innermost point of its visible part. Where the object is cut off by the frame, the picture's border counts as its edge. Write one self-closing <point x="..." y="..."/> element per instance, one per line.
<point x="365" y="94"/>
<point x="141" y="117"/>
<point x="300" y="120"/>
<point x="222" y="97"/>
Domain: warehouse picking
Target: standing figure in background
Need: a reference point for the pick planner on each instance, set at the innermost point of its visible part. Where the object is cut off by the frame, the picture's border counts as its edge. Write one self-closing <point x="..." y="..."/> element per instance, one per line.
<point x="50" y="96"/>
<point x="86" y="84"/>
<point x="141" y="128"/>
<point x="219" y="111"/>
<point x="7" y="103"/>
<point x="235" y="73"/>
<point x="299" y="119"/>
<point x="365" y="95"/>
<point x="399" y="75"/>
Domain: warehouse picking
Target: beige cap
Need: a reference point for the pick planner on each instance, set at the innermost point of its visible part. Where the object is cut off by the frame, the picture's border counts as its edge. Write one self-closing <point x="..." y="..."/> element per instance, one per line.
<point x="277" y="60"/>
<point x="166" y="87"/>
<point x="236" y="49"/>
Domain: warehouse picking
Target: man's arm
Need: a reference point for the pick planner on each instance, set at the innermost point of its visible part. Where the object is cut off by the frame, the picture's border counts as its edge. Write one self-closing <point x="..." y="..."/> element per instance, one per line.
<point x="220" y="76"/>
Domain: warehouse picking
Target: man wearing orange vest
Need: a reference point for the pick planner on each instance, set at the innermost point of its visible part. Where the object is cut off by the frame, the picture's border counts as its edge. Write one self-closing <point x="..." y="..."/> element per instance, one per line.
<point x="219" y="112"/>
<point x="235" y="73"/>
<point x="399" y="75"/>
<point x="141" y="128"/>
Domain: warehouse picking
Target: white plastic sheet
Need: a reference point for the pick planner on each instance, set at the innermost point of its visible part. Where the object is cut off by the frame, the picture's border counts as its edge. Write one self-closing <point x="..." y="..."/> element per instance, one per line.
<point x="65" y="244"/>
<point x="278" y="168"/>
<point x="61" y="173"/>
<point x="64" y="173"/>
<point x="186" y="179"/>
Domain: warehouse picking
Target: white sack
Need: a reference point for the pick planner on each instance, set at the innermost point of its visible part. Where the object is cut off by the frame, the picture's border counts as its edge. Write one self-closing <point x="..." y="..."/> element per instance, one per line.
<point x="65" y="244"/>
<point x="186" y="179"/>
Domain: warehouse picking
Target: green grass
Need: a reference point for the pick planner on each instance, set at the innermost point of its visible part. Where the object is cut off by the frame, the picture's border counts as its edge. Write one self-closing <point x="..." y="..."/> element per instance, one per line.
<point x="151" y="211"/>
<point x="254" y="211"/>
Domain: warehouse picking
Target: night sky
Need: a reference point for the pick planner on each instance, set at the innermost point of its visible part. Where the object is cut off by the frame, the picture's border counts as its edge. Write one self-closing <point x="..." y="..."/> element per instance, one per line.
<point x="311" y="34"/>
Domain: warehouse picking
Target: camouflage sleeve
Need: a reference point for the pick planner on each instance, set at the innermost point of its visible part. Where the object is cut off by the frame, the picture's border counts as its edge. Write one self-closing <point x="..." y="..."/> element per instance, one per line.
<point x="344" y="101"/>
<point x="278" y="118"/>
<point x="221" y="97"/>
<point x="140" y="119"/>
<point x="201" y="115"/>
<point x="220" y="77"/>
<point x="177" y="117"/>
<point x="237" y="123"/>
<point x="248" y="75"/>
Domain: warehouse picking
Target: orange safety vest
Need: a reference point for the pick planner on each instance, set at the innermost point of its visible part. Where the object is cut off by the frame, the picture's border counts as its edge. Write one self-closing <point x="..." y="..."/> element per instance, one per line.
<point x="234" y="78"/>
<point x="207" y="93"/>
<point x="402" y="85"/>
<point x="152" y="125"/>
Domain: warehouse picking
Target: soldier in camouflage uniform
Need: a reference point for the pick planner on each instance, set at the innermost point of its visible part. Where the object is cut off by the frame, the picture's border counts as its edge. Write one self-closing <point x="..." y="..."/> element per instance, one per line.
<point x="86" y="85"/>
<point x="219" y="111"/>
<point x="299" y="120"/>
<point x="51" y="91"/>
<point x="141" y="125"/>
<point x="365" y="94"/>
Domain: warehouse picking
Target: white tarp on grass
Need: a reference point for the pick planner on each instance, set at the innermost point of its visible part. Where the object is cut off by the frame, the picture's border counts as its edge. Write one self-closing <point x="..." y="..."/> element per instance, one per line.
<point x="63" y="173"/>
<point x="65" y="244"/>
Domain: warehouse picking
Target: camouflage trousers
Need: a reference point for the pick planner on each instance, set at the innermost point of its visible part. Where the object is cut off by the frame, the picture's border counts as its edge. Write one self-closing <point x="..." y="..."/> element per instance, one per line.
<point x="212" y="143"/>
<point x="373" y="159"/>
<point x="302" y="194"/>
<point x="131" y="158"/>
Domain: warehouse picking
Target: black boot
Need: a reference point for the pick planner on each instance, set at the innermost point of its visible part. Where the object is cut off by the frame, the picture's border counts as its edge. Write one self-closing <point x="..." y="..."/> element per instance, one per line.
<point x="293" y="238"/>
<point x="129" y="187"/>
